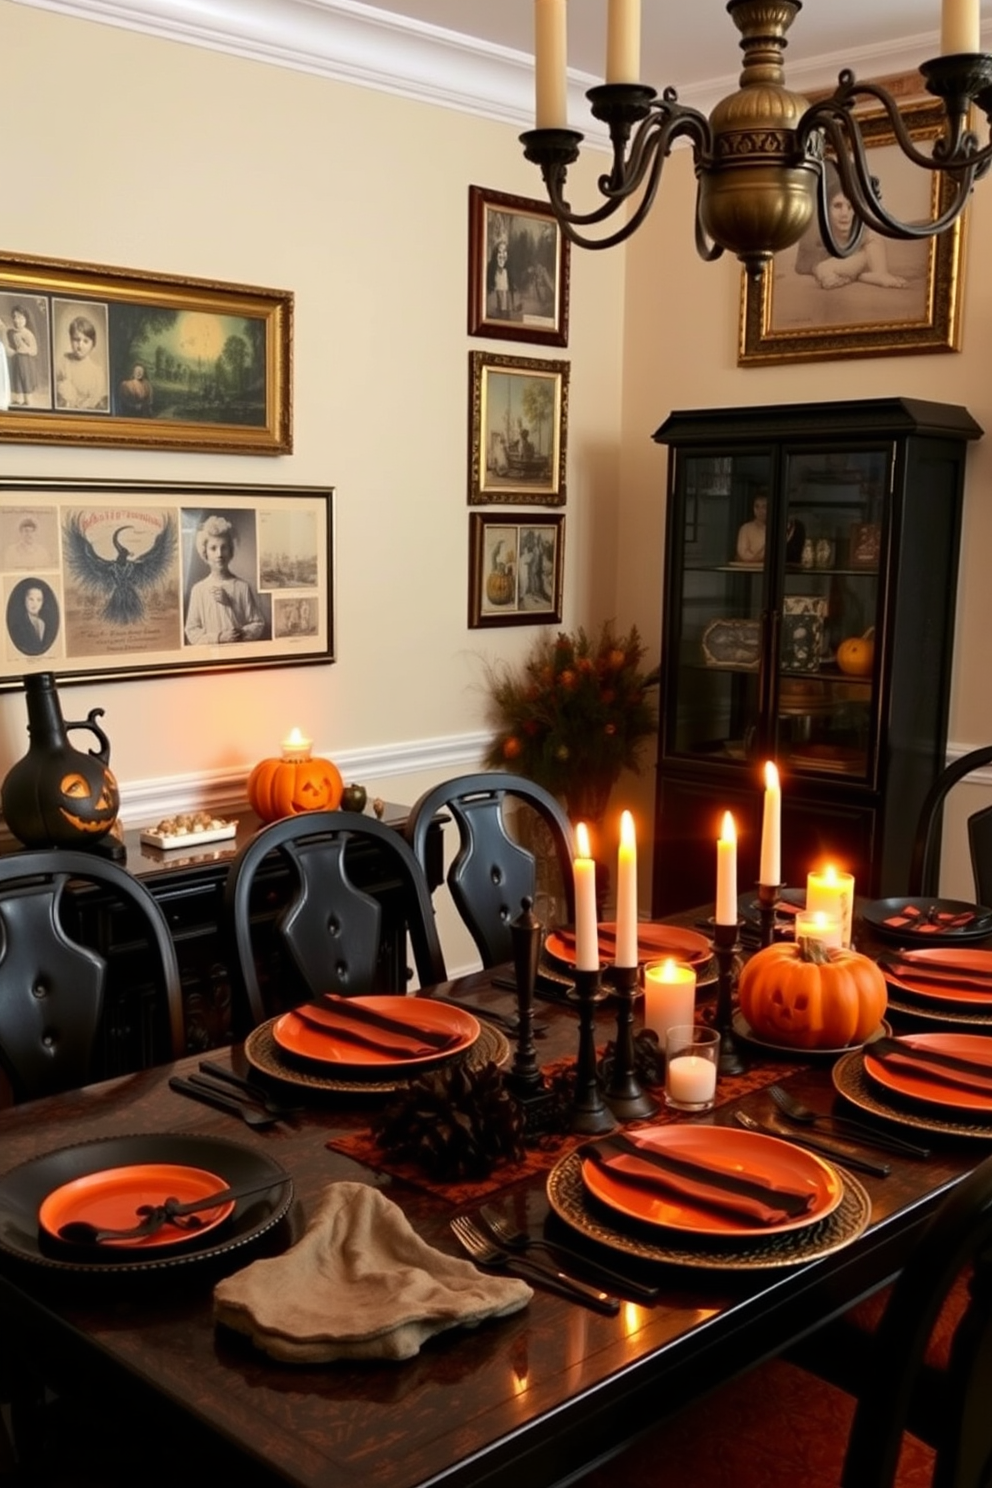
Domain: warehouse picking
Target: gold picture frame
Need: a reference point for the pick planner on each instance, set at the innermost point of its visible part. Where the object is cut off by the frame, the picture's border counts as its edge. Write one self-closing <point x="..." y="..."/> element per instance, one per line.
<point x="788" y="316"/>
<point x="518" y="430"/>
<point x="515" y="569"/>
<point x="518" y="269"/>
<point x="119" y="357"/>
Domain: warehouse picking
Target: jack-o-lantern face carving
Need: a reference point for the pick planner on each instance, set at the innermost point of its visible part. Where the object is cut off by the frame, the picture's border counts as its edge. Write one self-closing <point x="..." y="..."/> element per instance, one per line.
<point x="89" y="803"/>
<point x="283" y="787"/>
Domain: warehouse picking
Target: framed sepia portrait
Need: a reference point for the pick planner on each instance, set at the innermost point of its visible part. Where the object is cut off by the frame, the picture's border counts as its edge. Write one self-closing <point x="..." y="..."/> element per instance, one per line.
<point x="116" y="357"/>
<point x="518" y="266"/>
<point x="515" y="570"/>
<point x="114" y="579"/>
<point x="518" y="425"/>
<point x="906" y="298"/>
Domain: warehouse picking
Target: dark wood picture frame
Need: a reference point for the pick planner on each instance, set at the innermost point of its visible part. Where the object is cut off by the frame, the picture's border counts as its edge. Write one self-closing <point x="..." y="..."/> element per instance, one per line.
<point x="516" y="567"/>
<point x="518" y="269"/>
<point x="787" y="316"/>
<point x="118" y="357"/>
<point x="518" y="430"/>
<point x="104" y="580"/>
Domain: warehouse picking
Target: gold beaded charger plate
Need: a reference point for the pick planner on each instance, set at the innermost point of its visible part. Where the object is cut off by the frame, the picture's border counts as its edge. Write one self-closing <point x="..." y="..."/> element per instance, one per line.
<point x="850" y="1081"/>
<point x="746" y="1034"/>
<point x="938" y="1017"/>
<point x="569" y="1199"/>
<point x="264" y="1054"/>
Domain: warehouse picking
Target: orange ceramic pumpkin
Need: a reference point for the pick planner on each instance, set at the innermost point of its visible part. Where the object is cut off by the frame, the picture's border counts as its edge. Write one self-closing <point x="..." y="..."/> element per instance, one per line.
<point x="856" y="655"/>
<point x="288" y="787"/>
<point x="806" y="997"/>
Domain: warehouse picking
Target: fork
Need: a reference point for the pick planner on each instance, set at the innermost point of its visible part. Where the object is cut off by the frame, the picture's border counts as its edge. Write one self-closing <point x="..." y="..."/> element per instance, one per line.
<point x="485" y="1253"/>
<point x="507" y="1234"/>
<point x="250" y="1115"/>
<point x="794" y="1110"/>
<point x="821" y="1145"/>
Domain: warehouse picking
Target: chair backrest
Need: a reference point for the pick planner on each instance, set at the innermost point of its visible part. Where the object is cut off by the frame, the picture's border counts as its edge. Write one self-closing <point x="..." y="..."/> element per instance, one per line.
<point x="491" y="872"/>
<point x="53" y="987"/>
<point x="958" y="1236"/>
<point x="331" y="928"/>
<point x="924" y="869"/>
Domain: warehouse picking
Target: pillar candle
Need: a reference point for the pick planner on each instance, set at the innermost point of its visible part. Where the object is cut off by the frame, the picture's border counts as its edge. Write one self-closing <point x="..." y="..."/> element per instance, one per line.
<point x="832" y="893"/>
<point x="669" y="996"/>
<point x="586" y="928"/>
<point x="771" y="830"/>
<point x="726" y="873"/>
<point x="825" y="928"/>
<point x="959" y="27"/>
<point x="623" y="42"/>
<point x="626" y="951"/>
<point x="550" y="52"/>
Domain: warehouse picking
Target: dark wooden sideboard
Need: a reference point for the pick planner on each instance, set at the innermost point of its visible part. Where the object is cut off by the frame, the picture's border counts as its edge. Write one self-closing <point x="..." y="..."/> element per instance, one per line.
<point x="189" y="886"/>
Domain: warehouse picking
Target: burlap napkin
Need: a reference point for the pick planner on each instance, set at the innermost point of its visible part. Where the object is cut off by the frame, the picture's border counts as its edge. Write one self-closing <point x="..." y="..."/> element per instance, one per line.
<point x="361" y="1284"/>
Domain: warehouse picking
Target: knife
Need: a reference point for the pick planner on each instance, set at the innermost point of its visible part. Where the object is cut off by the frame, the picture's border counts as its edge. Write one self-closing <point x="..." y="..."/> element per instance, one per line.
<point x="815" y="1144"/>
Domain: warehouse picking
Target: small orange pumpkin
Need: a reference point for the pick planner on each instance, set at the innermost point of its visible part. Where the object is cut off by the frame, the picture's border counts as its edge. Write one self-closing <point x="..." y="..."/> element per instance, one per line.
<point x="806" y="997"/>
<point x="290" y="786"/>
<point x="856" y="655"/>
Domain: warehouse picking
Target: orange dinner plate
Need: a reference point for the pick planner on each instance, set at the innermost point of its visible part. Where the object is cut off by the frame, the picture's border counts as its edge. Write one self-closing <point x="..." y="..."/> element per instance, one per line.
<point x="110" y="1199"/>
<point x="306" y="1041"/>
<point x="655" y="942"/>
<point x="948" y="961"/>
<point x="934" y="1091"/>
<point x="748" y="1153"/>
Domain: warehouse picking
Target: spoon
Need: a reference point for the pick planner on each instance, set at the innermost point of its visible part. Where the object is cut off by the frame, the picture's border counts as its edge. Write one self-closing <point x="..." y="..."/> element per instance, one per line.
<point x="222" y="1102"/>
<point x="154" y="1216"/>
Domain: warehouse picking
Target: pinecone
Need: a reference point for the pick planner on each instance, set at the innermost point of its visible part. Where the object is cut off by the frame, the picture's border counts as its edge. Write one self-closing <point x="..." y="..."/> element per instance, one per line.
<point x="455" y="1123"/>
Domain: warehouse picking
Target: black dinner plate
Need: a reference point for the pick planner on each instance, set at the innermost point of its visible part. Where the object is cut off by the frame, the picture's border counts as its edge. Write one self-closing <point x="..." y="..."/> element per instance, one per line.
<point x="935" y="922"/>
<point x="23" y="1189"/>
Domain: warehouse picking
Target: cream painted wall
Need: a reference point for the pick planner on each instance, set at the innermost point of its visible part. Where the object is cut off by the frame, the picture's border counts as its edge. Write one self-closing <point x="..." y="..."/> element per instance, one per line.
<point x="166" y="157"/>
<point x="680" y="340"/>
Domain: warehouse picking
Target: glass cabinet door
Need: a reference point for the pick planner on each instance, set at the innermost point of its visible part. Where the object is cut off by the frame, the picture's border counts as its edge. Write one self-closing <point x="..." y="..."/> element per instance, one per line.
<point x="829" y="610"/>
<point x="720" y="580"/>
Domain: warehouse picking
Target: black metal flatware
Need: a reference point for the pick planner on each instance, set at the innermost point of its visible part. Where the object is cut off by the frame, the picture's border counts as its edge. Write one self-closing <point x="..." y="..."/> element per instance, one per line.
<point x="256" y="1098"/>
<point x="486" y="1252"/>
<point x="249" y="1115"/>
<point x="858" y="1131"/>
<point x="155" y="1217"/>
<point x="815" y="1144"/>
<point x="250" y="1087"/>
<point x="506" y="1233"/>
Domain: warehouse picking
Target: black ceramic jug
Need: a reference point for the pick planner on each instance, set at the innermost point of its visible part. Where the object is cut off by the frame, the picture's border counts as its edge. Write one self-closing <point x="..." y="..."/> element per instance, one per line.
<point x="57" y="796"/>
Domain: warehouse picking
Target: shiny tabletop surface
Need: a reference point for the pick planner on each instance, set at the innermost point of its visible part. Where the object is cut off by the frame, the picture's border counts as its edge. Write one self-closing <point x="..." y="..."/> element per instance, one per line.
<point x="538" y="1394"/>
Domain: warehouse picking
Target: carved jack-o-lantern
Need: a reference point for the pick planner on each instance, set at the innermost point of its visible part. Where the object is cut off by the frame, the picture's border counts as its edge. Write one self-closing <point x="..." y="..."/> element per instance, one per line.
<point x="57" y="796"/>
<point x="294" y="784"/>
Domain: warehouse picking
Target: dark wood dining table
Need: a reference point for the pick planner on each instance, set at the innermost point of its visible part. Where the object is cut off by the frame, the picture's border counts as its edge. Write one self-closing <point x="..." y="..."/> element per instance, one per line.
<point x="530" y="1399"/>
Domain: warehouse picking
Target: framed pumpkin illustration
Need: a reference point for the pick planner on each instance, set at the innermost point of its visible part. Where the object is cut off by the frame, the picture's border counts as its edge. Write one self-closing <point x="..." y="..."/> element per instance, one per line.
<point x="515" y="570"/>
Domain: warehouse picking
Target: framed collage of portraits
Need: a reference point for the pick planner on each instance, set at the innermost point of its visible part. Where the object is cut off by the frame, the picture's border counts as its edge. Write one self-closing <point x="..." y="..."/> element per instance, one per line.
<point x="130" y="579"/>
<point x="515" y="576"/>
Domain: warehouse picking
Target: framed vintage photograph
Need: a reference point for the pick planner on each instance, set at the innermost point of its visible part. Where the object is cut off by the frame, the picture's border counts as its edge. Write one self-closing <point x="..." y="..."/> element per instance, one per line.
<point x="518" y="425"/>
<point x="518" y="266"/>
<point x="102" y="356"/>
<point x="890" y="297"/>
<point x="515" y="570"/>
<point x="115" y="579"/>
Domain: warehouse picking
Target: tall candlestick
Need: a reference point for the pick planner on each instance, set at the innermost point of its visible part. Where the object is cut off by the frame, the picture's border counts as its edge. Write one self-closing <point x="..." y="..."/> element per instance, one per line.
<point x="626" y="951"/>
<point x="960" y="27"/>
<point x="550" y="52"/>
<point x="771" y="830"/>
<point x="832" y="893"/>
<point x="726" y="873"/>
<point x="586" y="928"/>
<point x="623" y="42"/>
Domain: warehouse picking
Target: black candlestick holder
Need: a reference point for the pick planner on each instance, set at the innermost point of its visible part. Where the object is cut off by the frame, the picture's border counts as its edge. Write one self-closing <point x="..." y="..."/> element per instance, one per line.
<point x="590" y="1115"/>
<point x="726" y="946"/>
<point x="526" y="933"/>
<point x="768" y="897"/>
<point x="624" y="1095"/>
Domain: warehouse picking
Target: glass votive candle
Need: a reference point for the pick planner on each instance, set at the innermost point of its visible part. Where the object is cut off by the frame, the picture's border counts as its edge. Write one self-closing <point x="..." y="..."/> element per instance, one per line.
<point x="822" y="927"/>
<point x="691" y="1057"/>
<point x="669" y="996"/>
<point x="832" y="893"/>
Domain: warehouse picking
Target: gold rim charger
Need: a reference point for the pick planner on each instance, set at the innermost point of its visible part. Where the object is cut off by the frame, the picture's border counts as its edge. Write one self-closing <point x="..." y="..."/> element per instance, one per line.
<point x="850" y="1081"/>
<point x="939" y="1016"/>
<point x="569" y="1200"/>
<point x="264" y="1054"/>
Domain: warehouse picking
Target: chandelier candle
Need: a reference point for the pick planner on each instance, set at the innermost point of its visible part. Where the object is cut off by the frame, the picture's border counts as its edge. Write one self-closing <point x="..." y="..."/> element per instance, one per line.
<point x="623" y="41"/>
<point x="586" y="928"/>
<point x="626" y="950"/>
<point x="551" y="84"/>
<point x="959" y="28"/>
<point x="832" y="893"/>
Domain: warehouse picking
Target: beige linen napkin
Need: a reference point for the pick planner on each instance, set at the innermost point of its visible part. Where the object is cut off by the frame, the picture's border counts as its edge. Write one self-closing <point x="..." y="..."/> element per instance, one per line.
<point x="361" y="1284"/>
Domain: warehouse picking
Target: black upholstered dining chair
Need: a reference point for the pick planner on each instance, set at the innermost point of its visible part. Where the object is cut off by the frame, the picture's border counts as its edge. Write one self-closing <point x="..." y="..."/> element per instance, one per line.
<point x="53" y="983"/>
<point x="910" y="1426"/>
<point x="324" y="932"/>
<point x="924" y="870"/>
<point x="492" y="871"/>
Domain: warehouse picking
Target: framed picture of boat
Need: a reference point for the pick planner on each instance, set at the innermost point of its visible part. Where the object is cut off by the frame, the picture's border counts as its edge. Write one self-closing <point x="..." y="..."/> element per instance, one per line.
<point x="515" y="569"/>
<point x="518" y="426"/>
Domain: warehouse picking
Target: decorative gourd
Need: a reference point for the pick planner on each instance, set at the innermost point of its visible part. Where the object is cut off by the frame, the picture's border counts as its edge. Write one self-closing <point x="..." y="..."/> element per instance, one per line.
<point x="803" y="996"/>
<point x="501" y="587"/>
<point x="856" y="655"/>
<point x="354" y="798"/>
<point x="294" y="784"/>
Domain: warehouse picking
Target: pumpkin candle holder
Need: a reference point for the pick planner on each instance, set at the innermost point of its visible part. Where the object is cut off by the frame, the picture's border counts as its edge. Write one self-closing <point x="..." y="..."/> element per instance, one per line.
<point x="590" y="1116"/>
<point x="624" y="1094"/>
<point x="726" y="946"/>
<point x="768" y="897"/>
<point x="294" y="783"/>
